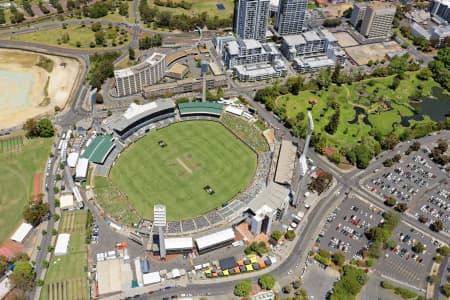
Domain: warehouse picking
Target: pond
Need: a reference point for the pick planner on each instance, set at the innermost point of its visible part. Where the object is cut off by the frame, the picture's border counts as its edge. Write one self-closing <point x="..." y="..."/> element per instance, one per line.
<point x="360" y="111"/>
<point x="436" y="107"/>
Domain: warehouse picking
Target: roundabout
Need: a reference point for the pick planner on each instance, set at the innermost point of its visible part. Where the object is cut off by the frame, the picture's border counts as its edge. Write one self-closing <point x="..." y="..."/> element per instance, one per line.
<point x="192" y="167"/>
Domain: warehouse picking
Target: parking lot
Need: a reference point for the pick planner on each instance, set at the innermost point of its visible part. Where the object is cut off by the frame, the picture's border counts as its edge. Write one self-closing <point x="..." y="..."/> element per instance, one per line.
<point x="418" y="182"/>
<point x="402" y="263"/>
<point x="345" y="227"/>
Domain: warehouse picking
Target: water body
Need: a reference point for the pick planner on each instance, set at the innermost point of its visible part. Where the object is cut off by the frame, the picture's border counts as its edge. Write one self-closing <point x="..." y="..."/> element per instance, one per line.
<point x="436" y="107"/>
<point x="360" y="111"/>
<point x="15" y="90"/>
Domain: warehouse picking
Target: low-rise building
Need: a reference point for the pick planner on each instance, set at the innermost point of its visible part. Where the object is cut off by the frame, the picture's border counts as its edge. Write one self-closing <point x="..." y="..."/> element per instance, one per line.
<point x="419" y="31"/>
<point x="185" y="86"/>
<point x="251" y="60"/>
<point x="177" y="71"/>
<point x="312" y="50"/>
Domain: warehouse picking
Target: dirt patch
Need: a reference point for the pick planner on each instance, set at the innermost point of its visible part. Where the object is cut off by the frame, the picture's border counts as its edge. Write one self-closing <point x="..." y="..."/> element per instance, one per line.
<point x="362" y="54"/>
<point x="61" y="81"/>
<point x="183" y="165"/>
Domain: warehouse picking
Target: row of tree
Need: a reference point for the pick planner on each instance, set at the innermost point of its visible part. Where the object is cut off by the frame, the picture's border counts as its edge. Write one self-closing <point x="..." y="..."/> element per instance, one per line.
<point x="173" y="4"/>
<point x="150" y="41"/>
<point x="182" y="22"/>
<point x="440" y="67"/>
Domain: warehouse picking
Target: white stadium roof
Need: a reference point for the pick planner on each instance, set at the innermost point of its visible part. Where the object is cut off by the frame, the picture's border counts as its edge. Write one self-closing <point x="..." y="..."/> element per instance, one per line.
<point x="82" y="168"/>
<point x="215" y="238"/>
<point x="178" y="243"/>
<point x="21" y="232"/>
<point x="62" y="244"/>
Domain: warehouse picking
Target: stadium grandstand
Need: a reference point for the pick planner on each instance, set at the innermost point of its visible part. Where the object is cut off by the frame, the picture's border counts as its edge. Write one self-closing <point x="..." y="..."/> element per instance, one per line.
<point x="200" y="108"/>
<point x="286" y="162"/>
<point x="138" y="116"/>
<point x="99" y="149"/>
<point x="215" y="240"/>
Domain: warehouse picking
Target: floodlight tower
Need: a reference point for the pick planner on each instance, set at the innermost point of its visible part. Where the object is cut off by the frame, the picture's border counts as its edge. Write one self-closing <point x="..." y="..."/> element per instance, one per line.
<point x="303" y="164"/>
<point x="204" y="68"/>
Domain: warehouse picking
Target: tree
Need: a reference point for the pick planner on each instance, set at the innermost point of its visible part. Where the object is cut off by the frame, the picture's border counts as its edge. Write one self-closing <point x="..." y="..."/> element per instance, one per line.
<point x="396" y="158"/>
<point x="424" y="74"/>
<point x="439" y="259"/>
<point x="423" y="219"/>
<point x="401" y="207"/>
<point x="287" y="289"/>
<point x="363" y="155"/>
<point x="321" y="182"/>
<point x="437" y="226"/>
<point x="45" y="128"/>
<point x="22" y="277"/>
<point x="276" y="235"/>
<point x="433" y="278"/>
<point x="131" y="53"/>
<point x="297" y="284"/>
<point x="290" y="235"/>
<point x="388" y="163"/>
<point x="96" y="27"/>
<point x="243" y="288"/>
<point x="415" y="146"/>
<point x="338" y="259"/>
<point x="35" y="213"/>
<point x="266" y="281"/>
<point x="390" y="141"/>
<point x="390" y="201"/>
<point x="446" y="289"/>
<point x="332" y="22"/>
<point x="99" y="37"/>
<point x="123" y="9"/>
<point x="31" y="128"/>
<point x="335" y="77"/>
<point x="348" y="12"/>
<point x="99" y="98"/>
<point x="444" y="250"/>
<point x="419" y="248"/>
<point x="3" y="264"/>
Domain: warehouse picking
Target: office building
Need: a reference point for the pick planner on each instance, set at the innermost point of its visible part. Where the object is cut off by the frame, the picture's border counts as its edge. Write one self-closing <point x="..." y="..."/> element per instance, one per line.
<point x="251" y="18"/>
<point x="132" y="80"/>
<point x="291" y="16"/>
<point x="377" y="20"/>
<point x="440" y="11"/>
<point x="359" y="10"/>
<point x="440" y="35"/>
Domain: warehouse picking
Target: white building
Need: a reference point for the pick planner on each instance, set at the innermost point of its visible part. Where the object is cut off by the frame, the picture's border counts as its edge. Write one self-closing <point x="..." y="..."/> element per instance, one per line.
<point x="312" y="50"/>
<point x="132" y="80"/>
<point x="62" y="244"/>
<point x="66" y="202"/>
<point x="251" y="60"/>
<point x="72" y="159"/>
<point x="81" y="169"/>
<point x="373" y="20"/>
<point x="251" y="19"/>
<point x="21" y="233"/>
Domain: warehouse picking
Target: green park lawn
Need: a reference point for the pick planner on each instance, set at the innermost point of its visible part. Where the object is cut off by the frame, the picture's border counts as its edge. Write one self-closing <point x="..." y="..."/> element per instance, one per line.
<point x="370" y="95"/>
<point x="17" y="169"/>
<point x="67" y="275"/>
<point x="198" y="154"/>
<point x="77" y="33"/>
<point x="199" y="6"/>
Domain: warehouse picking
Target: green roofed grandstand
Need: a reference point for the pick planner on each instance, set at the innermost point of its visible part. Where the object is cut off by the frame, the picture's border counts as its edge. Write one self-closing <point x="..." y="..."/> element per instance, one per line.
<point x="98" y="150"/>
<point x="200" y="108"/>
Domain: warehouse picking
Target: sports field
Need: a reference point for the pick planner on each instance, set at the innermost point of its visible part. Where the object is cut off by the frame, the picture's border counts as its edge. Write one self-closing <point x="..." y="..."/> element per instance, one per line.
<point x="67" y="275"/>
<point x="197" y="154"/>
<point x="20" y="159"/>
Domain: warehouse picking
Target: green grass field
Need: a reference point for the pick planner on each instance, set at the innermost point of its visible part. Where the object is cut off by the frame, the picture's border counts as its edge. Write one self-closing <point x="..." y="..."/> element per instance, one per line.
<point x="198" y="153"/>
<point x="67" y="276"/>
<point x="202" y="6"/>
<point x="77" y="33"/>
<point x="18" y="165"/>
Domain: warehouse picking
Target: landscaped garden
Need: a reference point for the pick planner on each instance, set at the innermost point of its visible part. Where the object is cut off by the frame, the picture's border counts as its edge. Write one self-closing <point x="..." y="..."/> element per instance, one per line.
<point x="355" y="119"/>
